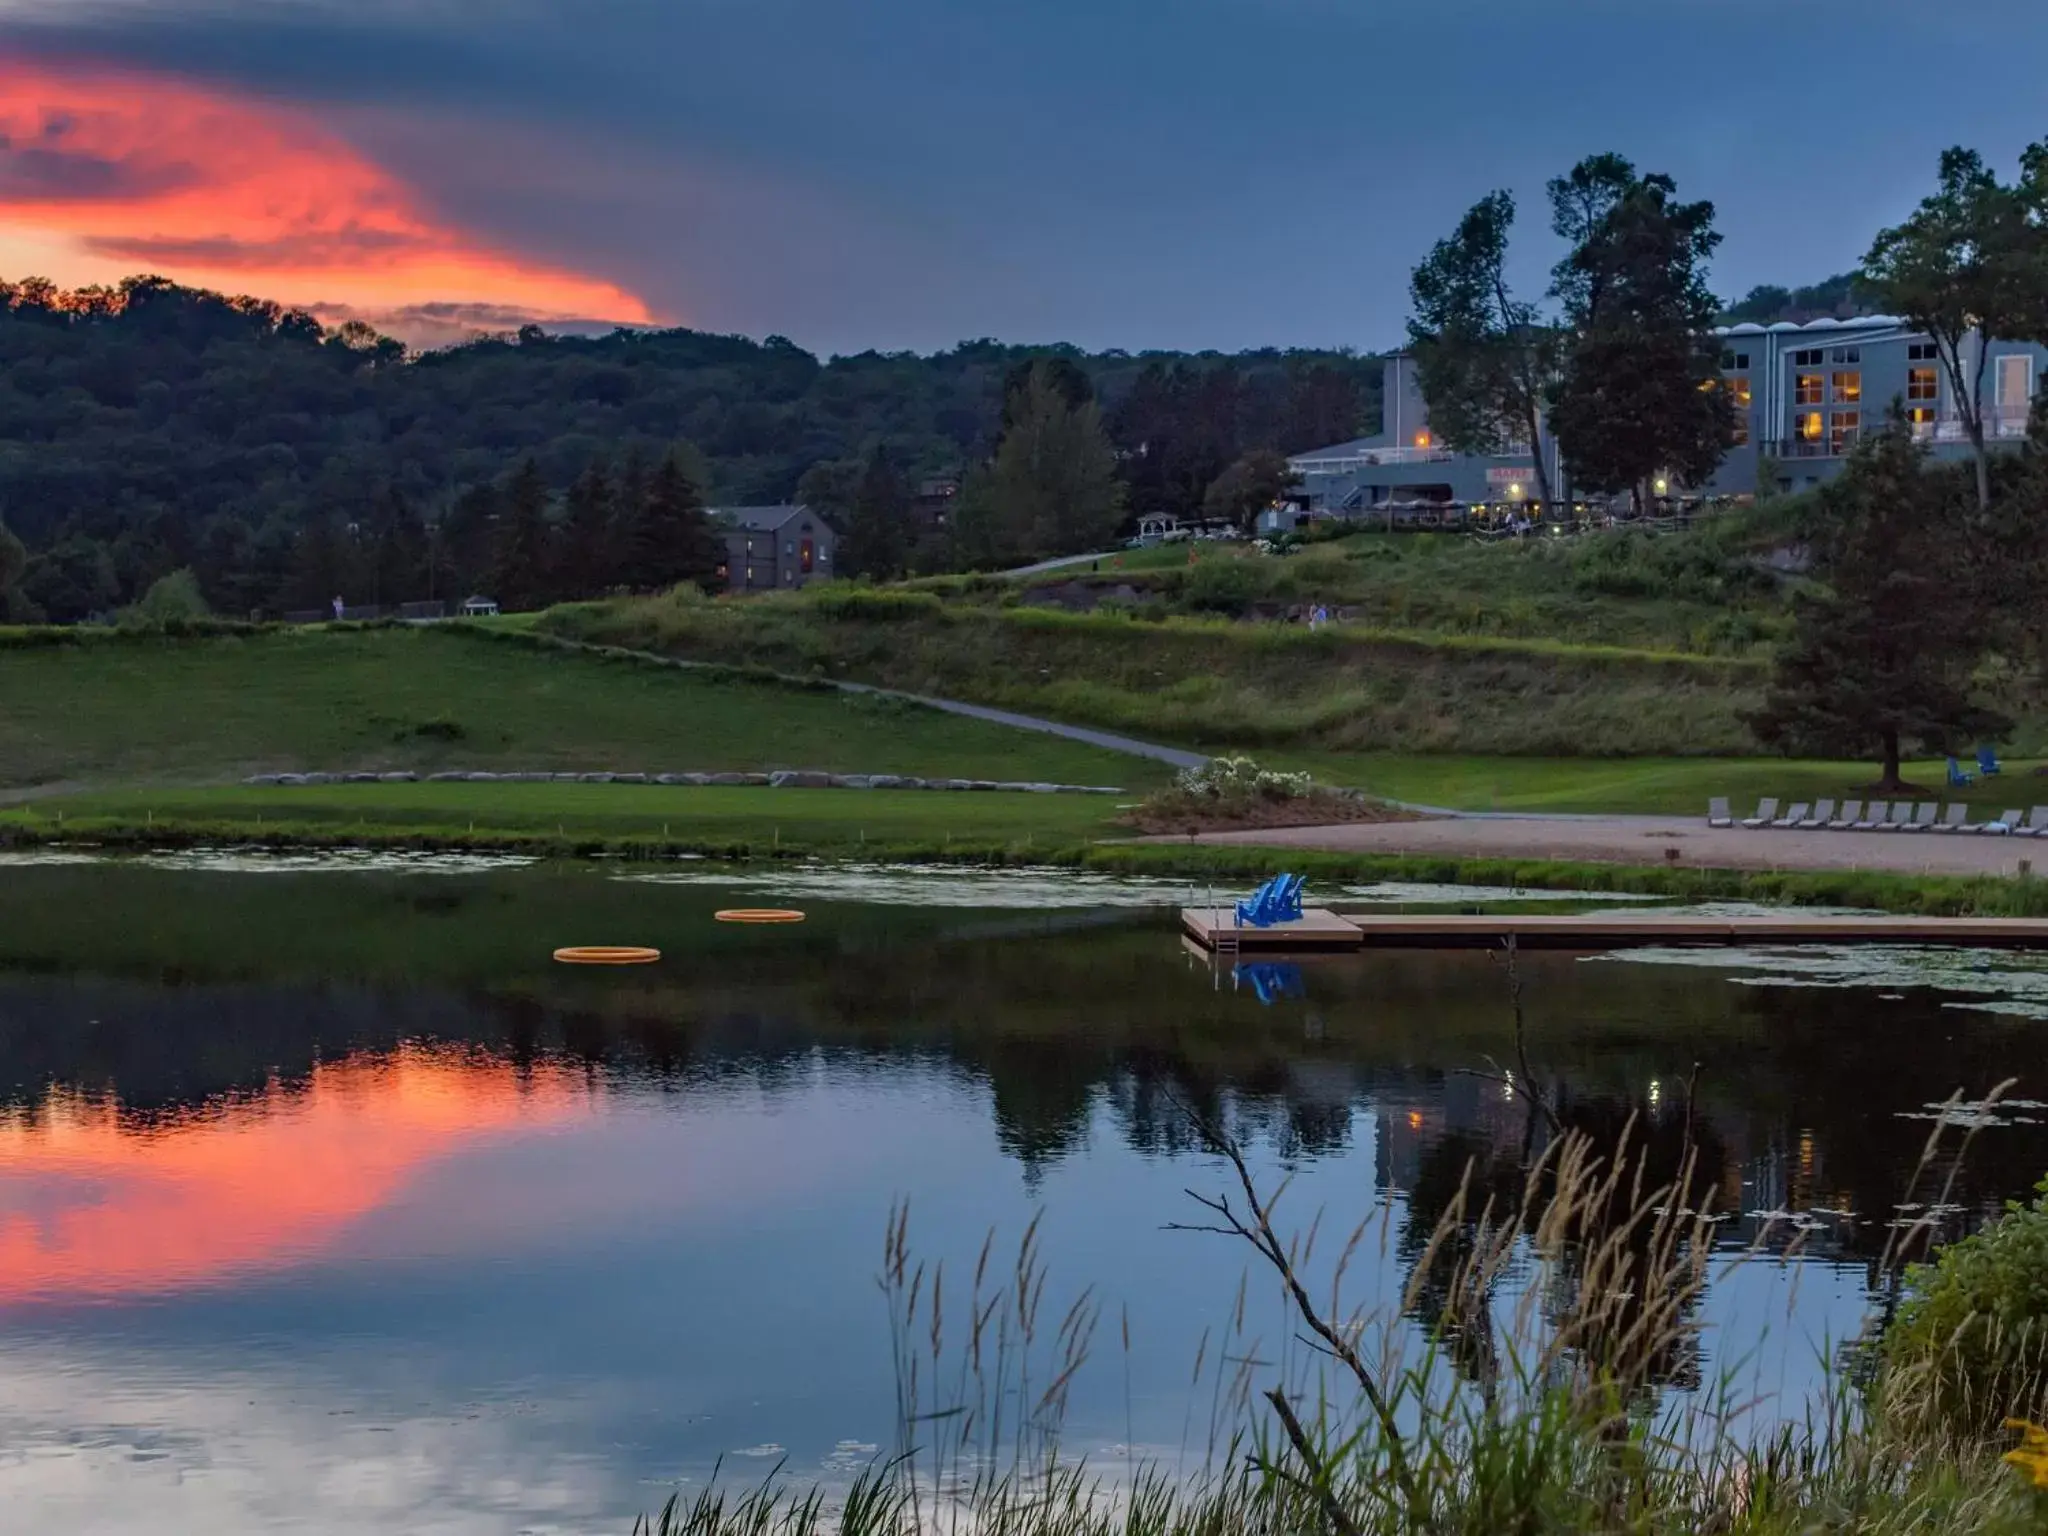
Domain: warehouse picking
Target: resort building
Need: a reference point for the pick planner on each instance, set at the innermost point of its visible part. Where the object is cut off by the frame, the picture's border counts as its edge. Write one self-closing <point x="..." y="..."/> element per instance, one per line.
<point x="774" y="548"/>
<point x="1805" y="395"/>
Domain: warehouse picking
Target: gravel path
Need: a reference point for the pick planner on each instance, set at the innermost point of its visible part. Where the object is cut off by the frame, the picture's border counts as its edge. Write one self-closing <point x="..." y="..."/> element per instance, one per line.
<point x="1646" y="839"/>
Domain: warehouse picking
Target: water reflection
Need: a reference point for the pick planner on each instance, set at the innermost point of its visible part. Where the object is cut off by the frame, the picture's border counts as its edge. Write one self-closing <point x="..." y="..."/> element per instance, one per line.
<point x="366" y="1195"/>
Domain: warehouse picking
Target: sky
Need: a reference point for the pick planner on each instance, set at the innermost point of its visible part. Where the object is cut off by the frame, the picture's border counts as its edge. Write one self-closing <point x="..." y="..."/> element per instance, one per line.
<point x="906" y="174"/>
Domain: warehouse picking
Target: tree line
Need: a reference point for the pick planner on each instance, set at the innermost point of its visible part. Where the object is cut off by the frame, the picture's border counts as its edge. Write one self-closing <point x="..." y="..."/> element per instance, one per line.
<point x="148" y="428"/>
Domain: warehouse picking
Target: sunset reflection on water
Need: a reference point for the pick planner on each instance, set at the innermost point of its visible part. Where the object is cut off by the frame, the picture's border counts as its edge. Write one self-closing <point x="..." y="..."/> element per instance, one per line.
<point x="98" y="1204"/>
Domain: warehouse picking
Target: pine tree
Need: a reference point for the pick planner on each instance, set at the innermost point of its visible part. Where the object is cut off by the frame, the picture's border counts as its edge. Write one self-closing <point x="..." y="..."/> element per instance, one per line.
<point x="1886" y="654"/>
<point x="672" y="541"/>
<point x="520" y="563"/>
<point x="1053" y="488"/>
<point x="589" y="564"/>
<point x="877" y="542"/>
<point x="398" y="555"/>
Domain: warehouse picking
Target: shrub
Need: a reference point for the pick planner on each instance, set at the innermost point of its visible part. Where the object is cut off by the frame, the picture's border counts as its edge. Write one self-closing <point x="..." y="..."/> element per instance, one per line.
<point x="1240" y="778"/>
<point x="1221" y="586"/>
<point x="885" y="604"/>
<point x="170" y="602"/>
<point x="1969" y="1345"/>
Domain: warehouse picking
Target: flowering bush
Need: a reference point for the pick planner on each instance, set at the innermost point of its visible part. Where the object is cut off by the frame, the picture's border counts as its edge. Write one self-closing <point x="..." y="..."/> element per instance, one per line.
<point x="1240" y="778"/>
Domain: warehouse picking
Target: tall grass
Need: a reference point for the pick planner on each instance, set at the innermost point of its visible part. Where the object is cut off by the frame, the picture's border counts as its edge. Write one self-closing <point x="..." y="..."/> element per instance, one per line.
<point x="1520" y="1382"/>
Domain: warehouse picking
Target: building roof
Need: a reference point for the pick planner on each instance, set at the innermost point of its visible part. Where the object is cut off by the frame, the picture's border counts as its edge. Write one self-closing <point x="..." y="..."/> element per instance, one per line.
<point x="760" y="519"/>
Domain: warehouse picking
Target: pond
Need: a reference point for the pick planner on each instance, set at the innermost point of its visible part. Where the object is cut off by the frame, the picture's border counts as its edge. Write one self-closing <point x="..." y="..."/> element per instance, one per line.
<point x="328" y="1202"/>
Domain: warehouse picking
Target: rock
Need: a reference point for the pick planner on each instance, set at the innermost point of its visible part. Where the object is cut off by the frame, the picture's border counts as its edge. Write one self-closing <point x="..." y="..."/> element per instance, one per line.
<point x="359" y="778"/>
<point x="852" y="781"/>
<point x="595" y="778"/>
<point x="264" y="778"/>
<point x="668" y="778"/>
<point x="480" y="778"/>
<point x="1042" y="789"/>
<point x="982" y="784"/>
<point x="728" y="778"/>
<point x="446" y="778"/>
<point x="398" y="778"/>
<point x="757" y="780"/>
<point x="695" y="780"/>
<point x="529" y="778"/>
<point x="885" y="781"/>
<point x="291" y="780"/>
<point x="629" y="778"/>
<point x="322" y="778"/>
<point x="800" y="779"/>
<point x="567" y="778"/>
<point x="908" y="782"/>
<point x="952" y="784"/>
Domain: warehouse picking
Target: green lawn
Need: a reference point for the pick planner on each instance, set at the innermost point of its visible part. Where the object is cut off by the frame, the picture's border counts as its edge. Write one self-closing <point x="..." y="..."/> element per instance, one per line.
<point x="1641" y="785"/>
<point x="118" y="710"/>
<point x="822" y="820"/>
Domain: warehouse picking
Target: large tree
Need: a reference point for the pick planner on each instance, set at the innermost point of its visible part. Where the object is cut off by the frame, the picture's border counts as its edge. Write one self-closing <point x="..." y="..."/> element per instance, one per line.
<point x="1052" y="487"/>
<point x="1484" y="358"/>
<point x="672" y="540"/>
<point x="1638" y="392"/>
<point x="1885" y="655"/>
<point x="399" y="567"/>
<point x="589" y="564"/>
<point x="521" y="565"/>
<point x="877" y="541"/>
<point x="1250" y="486"/>
<point x="1967" y="267"/>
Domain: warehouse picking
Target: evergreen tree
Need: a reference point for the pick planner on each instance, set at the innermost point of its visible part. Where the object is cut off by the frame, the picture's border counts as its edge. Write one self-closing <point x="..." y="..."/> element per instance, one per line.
<point x="398" y="552"/>
<point x="877" y="541"/>
<point x="464" y="540"/>
<point x="1254" y="483"/>
<point x="589" y="566"/>
<point x="323" y="567"/>
<point x="1052" y="488"/>
<point x="520" y="564"/>
<point x="1886" y="655"/>
<point x="673" y="541"/>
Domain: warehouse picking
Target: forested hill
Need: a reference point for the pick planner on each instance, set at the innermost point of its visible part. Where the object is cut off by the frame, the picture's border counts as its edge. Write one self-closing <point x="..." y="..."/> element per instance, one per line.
<point x="161" y="422"/>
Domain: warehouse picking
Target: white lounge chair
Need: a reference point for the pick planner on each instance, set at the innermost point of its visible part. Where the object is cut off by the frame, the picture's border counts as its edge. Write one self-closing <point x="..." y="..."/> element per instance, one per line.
<point x="1852" y="812"/>
<point x="1793" y="817"/>
<point x="2037" y="823"/>
<point x="1900" y="818"/>
<point x="1955" y="821"/>
<point x="1766" y="813"/>
<point x="1873" y="817"/>
<point x="1718" y="814"/>
<point x="2011" y="824"/>
<point x="1823" y="813"/>
<point x="1923" y="819"/>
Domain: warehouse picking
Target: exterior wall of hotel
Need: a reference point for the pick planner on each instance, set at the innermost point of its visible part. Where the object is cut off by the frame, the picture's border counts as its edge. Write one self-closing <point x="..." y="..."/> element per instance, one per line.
<point x="1810" y="393"/>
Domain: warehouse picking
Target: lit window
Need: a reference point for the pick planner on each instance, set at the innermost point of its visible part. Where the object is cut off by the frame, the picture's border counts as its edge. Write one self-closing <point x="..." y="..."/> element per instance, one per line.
<point x="1809" y="389"/>
<point x="1921" y="417"/>
<point x="1738" y="391"/>
<point x="1807" y="426"/>
<point x="1848" y="388"/>
<point x="1422" y="439"/>
<point x="1844" y="427"/>
<point x="1920" y="384"/>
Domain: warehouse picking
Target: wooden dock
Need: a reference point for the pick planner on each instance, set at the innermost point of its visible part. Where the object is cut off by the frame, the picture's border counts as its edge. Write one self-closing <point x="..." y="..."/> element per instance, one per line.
<point x="1217" y="930"/>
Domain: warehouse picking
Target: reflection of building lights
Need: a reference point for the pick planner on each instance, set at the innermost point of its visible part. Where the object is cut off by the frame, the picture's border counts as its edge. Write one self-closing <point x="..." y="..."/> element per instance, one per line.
<point x="1656" y="1092"/>
<point x="1422" y="439"/>
<point x="1414" y="1119"/>
<point x="1663" y="486"/>
<point x="1515" y="491"/>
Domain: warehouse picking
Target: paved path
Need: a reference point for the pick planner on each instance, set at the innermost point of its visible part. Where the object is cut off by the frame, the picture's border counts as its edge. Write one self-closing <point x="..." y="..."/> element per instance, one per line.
<point x="1645" y="839"/>
<point x="1108" y="741"/>
<point x="1060" y="564"/>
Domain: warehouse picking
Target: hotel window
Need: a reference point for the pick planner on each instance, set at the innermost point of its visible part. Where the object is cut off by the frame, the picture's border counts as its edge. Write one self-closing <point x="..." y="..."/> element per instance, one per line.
<point x="1735" y="362"/>
<point x="1920" y="384"/>
<point x="1848" y="388"/>
<point x="1923" y="352"/>
<point x="1921" y="418"/>
<point x="1740" y="439"/>
<point x="1807" y="427"/>
<point x="1843" y="429"/>
<point x="1738" y="391"/>
<point x="1846" y="355"/>
<point x="1809" y="389"/>
<point x="1806" y="359"/>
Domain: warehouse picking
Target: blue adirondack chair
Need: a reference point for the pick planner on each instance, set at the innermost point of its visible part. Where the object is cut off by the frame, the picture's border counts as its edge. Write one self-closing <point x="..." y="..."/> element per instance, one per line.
<point x="1958" y="775"/>
<point x="1987" y="762"/>
<point x="1277" y="901"/>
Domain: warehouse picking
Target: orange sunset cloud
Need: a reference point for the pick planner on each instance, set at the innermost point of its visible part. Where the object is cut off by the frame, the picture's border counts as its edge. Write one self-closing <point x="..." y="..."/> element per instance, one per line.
<point x="105" y="172"/>
<point x="91" y="1208"/>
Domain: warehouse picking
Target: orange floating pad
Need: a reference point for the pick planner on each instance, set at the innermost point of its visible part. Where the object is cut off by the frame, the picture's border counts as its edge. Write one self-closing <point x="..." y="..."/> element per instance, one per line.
<point x="606" y="954"/>
<point x="759" y="915"/>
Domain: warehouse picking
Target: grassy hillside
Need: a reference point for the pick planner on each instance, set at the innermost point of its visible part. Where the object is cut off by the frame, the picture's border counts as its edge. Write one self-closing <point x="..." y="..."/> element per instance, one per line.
<point x="1216" y="683"/>
<point x="109" y="709"/>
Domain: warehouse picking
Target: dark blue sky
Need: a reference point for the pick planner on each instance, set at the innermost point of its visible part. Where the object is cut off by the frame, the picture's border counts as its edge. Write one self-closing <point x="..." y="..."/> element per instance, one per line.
<point x="1175" y="173"/>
